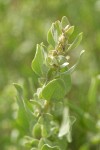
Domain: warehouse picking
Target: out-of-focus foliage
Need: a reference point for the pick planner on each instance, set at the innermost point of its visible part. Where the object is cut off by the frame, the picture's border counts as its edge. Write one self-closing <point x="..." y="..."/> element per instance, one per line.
<point x="25" y="23"/>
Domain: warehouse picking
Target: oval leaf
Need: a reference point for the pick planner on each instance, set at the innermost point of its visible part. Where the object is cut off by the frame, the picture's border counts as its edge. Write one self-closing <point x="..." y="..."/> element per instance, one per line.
<point x="64" y="21"/>
<point x="58" y="27"/>
<point x="69" y="31"/>
<point x="54" y="90"/>
<point x="67" y="82"/>
<point x="67" y="122"/>
<point x="37" y="63"/>
<point x="45" y="120"/>
<point x="76" y="42"/>
<point x="50" y="38"/>
<point x="70" y="70"/>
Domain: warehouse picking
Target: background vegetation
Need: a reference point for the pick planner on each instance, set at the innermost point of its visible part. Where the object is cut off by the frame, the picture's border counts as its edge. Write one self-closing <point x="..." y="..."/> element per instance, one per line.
<point x="25" y="23"/>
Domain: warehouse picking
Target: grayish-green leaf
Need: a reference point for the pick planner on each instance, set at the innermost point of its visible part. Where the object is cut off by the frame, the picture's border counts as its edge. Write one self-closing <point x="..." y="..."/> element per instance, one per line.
<point x="58" y="27"/>
<point x="65" y="128"/>
<point x="70" y="70"/>
<point x="92" y="93"/>
<point x="24" y="112"/>
<point x="76" y="42"/>
<point x="22" y="117"/>
<point x="45" y="120"/>
<point x="64" y="21"/>
<point x="50" y="38"/>
<point x="67" y="82"/>
<point x="69" y="31"/>
<point x="36" y="103"/>
<point x="54" y="90"/>
<point x="37" y="63"/>
<point x="54" y="33"/>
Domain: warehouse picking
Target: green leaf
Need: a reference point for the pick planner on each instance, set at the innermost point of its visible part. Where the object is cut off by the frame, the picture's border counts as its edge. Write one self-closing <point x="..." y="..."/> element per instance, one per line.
<point x="64" y="21"/>
<point x="54" y="90"/>
<point x="35" y="142"/>
<point x="67" y="82"/>
<point x="65" y="128"/>
<point x="58" y="108"/>
<point x="70" y="70"/>
<point x="92" y="93"/>
<point x="36" y="132"/>
<point x="22" y="117"/>
<point x="58" y="27"/>
<point x="38" y="61"/>
<point x="19" y="89"/>
<point x="69" y="31"/>
<point x="44" y="141"/>
<point x="50" y="38"/>
<point x="76" y="42"/>
<point x="54" y="33"/>
<point x="45" y="120"/>
<point x="36" y="103"/>
<point x="48" y="147"/>
<point x="30" y="142"/>
<point x="25" y="115"/>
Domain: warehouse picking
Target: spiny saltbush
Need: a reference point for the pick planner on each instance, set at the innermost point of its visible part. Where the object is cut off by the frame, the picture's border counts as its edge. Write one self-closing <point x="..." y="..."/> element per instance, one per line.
<point x="46" y="114"/>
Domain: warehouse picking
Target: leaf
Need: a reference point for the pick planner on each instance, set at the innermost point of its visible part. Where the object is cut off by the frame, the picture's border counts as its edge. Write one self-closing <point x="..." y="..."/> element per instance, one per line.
<point x="30" y="142"/>
<point x="58" y="108"/>
<point x="35" y="142"/>
<point x="20" y="96"/>
<point x="69" y="31"/>
<point x="42" y="142"/>
<point x="76" y="42"/>
<point x="70" y="70"/>
<point x="64" y="21"/>
<point x="36" y="131"/>
<point x="45" y="120"/>
<point x="22" y="114"/>
<point x="48" y="147"/>
<point x="25" y="115"/>
<point x="36" y="103"/>
<point x="92" y="93"/>
<point x="54" y="90"/>
<point x="65" y="128"/>
<point x="50" y="38"/>
<point x="67" y="82"/>
<point x="58" y="27"/>
<point x="37" y="63"/>
<point x="54" y="33"/>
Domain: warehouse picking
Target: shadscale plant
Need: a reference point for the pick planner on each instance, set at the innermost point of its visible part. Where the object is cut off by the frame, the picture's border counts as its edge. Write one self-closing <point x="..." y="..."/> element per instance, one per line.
<point x="46" y="115"/>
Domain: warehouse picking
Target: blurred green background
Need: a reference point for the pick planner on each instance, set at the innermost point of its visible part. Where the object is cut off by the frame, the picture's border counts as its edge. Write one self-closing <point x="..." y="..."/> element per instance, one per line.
<point x="23" y="24"/>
